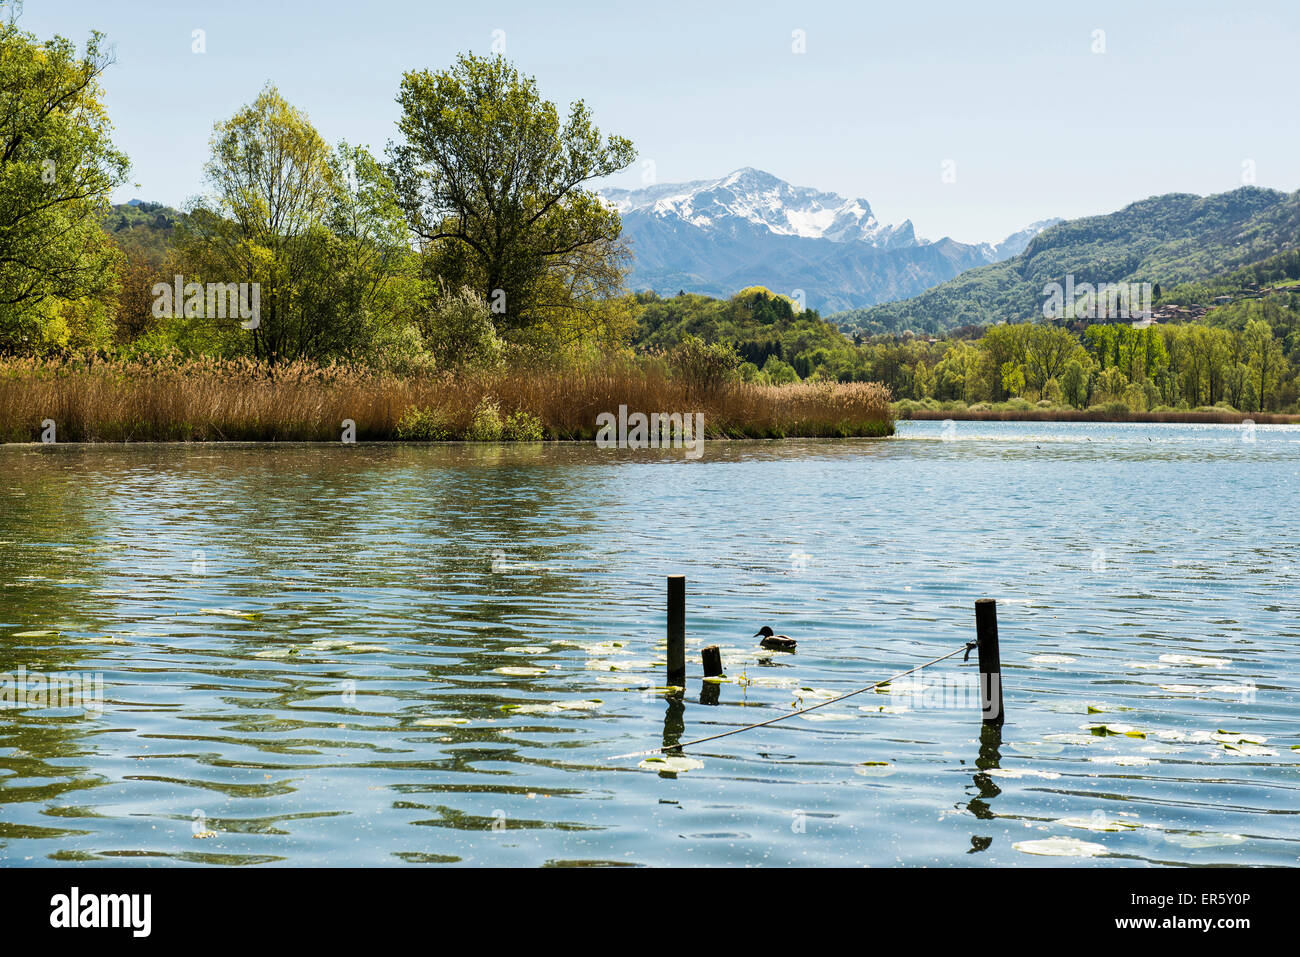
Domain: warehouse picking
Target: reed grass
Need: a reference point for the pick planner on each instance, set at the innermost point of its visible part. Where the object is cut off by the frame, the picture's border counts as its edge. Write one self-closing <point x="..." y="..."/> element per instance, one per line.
<point x="241" y="400"/>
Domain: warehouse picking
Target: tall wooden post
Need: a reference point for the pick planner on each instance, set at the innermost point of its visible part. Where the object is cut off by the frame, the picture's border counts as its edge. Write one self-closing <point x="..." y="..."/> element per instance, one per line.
<point x="677" y="630"/>
<point x="986" y="631"/>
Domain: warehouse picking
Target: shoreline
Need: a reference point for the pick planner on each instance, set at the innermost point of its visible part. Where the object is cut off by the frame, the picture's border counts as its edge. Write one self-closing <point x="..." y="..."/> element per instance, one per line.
<point x="1097" y="415"/>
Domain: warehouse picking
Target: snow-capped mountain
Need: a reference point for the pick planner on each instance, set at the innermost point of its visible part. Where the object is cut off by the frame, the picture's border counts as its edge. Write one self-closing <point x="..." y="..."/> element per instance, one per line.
<point x="752" y="228"/>
<point x="751" y="196"/>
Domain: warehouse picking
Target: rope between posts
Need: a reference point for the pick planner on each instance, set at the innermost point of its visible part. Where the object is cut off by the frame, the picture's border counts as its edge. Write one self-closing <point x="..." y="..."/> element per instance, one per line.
<point x="966" y="647"/>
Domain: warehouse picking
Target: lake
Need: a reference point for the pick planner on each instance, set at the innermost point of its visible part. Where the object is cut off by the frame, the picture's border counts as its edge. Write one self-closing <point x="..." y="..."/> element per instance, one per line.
<point x="386" y="654"/>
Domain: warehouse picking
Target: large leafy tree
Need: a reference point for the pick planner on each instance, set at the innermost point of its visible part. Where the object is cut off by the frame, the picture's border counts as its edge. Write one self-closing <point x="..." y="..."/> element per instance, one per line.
<point x="319" y="230"/>
<point x="492" y="183"/>
<point x="57" y="169"/>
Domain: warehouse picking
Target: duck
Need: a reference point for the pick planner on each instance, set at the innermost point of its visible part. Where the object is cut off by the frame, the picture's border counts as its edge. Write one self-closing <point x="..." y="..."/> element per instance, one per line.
<point x="775" y="642"/>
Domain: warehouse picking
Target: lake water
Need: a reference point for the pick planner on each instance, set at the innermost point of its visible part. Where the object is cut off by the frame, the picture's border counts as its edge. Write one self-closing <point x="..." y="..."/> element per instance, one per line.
<point x="383" y="654"/>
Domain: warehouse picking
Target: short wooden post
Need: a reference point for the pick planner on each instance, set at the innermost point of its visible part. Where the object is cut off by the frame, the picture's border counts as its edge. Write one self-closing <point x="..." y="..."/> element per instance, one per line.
<point x="677" y="630"/>
<point x="712" y="657"/>
<point x="986" y="631"/>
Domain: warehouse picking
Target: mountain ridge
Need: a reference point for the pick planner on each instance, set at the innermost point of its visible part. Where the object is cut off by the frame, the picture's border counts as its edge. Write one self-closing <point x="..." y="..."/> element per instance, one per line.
<point x="715" y="236"/>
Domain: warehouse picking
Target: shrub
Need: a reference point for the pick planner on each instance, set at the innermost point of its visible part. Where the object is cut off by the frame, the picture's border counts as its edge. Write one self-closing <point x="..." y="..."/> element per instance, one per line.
<point x="522" y="426"/>
<point x="422" y="425"/>
<point x="458" y="331"/>
<point x="705" y="368"/>
<point x="486" y="425"/>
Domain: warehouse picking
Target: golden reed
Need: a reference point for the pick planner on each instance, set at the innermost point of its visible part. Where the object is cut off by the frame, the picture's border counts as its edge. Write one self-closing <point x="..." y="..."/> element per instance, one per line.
<point x="243" y="400"/>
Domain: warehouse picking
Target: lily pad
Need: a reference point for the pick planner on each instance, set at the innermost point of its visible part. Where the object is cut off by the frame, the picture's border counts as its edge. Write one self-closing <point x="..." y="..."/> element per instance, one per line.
<point x="518" y="672"/>
<point x="874" y="769"/>
<point x="670" y="763"/>
<point x="1021" y="773"/>
<point x="1194" y="839"/>
<point x="1104" y="730"/>
<point x="1097" y="822"/>
<point x="1201" y="660"/>
<point x="1061" y="847"/>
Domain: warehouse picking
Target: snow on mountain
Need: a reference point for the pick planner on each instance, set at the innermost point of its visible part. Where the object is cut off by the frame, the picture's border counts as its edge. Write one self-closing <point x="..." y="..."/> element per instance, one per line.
<point x="754" y="197"/>
<point x="717" y="236"/>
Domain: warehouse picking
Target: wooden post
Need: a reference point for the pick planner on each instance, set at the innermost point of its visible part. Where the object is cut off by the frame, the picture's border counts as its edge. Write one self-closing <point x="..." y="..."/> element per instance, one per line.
<point x="986" y="631"/>
<point x="677" y="630"/>
<point x="712" y="657"/>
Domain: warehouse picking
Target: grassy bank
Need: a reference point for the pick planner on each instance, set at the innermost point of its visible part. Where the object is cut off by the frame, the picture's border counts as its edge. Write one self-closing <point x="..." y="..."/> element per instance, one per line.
<point x="208" y="400"/>
<point x="1109" y="412"/>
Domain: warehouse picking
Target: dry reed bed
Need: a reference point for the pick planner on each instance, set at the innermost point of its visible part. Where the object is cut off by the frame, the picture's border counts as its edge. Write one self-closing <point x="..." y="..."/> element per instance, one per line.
<point x="212" y="400"/>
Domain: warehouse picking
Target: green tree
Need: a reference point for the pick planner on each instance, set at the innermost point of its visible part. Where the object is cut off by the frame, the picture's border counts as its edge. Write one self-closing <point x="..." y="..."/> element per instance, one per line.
<point x="57" y="169"/>
<point x="1265" y="359"/>
<point x="318" y="230"/>
<point x="492" y="183"/>
<point x="1074" y="383"/>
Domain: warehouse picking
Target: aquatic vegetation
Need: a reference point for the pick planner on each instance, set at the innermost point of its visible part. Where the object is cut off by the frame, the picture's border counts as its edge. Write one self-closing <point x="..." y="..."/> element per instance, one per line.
<point x="1061" y="847"/>
<point x="210" y="399"/>
<point x="670" y="764"/>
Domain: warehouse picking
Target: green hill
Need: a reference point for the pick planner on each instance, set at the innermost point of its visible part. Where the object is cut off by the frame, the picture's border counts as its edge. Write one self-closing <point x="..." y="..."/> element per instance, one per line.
<point x="143" y="230"/>
<point x="1166" y="240"/>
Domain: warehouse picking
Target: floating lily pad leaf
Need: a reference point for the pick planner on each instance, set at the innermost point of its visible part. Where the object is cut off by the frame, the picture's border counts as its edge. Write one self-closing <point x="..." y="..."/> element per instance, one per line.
<point x="1202" y="661"/>
<point x="1194" y="737"/>
<point x="1061" y="847"/>
<point x="817" y="694"/>
<point x="1146" y="665"/>
<point x="1021" y="773"/>
<point x="328" y="644"/>
<point x="670" y="764"/>
<point x="34" y="634"/>
<point x="553" y="707"/>
<point x="1097" y="822"/>
<point x="102" y="640"/>
<point x="520" y="672"/>
<point x="827" y="716"/>
<point x="1194" y="839"/>
<point x="1102" y="730"/>
<point x="717" y="679"/>
<point x="1184" y="689"/>
<point x="1232" y="737"/>
<point x="874" y="769"/>
<point x="366" y="649"/>
<point x="441" y="722"/>
<point x="529" y="649"/>
<point x="604" y="664"/>
<point x="1253" y="750"/>
<point x="770" y="681"/>
<point x="1039" y="747"/>
<point x="1075" y="739"/>
<point x="1052" y="659"/>
<point x="232" y="613"/>
<point x="600" y="649"/>
<point x="275" y="653"/>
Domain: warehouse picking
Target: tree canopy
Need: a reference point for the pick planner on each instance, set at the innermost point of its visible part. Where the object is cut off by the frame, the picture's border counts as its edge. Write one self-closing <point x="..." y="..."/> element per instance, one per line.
<point x="492" y="183"/>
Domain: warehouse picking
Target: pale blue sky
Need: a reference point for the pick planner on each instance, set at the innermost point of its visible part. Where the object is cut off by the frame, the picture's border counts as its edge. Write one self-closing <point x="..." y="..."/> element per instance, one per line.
<point x="1036" y="124"/>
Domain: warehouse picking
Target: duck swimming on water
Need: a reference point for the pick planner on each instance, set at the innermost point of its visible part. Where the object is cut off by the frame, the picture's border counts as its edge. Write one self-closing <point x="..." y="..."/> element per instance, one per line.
<point x="773" y="641"/>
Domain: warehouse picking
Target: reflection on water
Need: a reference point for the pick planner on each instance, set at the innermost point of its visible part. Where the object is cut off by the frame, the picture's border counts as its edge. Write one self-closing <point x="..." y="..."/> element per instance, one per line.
<point x="388" y="654"/>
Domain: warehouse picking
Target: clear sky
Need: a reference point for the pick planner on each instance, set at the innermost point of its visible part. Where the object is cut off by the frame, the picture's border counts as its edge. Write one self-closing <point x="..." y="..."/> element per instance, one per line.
<point x="1031" y="121"/>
